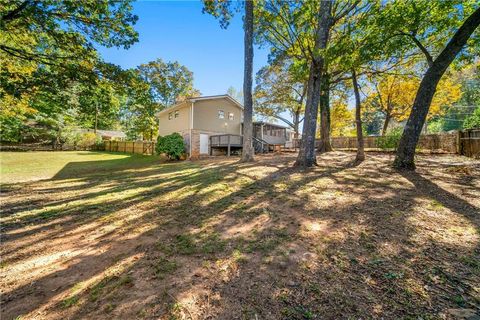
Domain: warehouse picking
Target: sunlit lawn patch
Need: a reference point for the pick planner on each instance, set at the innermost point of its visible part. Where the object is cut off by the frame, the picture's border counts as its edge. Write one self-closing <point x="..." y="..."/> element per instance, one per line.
<point x="96" y="235"/>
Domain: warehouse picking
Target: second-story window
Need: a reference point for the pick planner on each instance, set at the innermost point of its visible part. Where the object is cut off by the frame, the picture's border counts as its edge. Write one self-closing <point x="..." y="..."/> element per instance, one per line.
<point x="221" y="114"/>
<point x="170" y="116"/>
<point x="177" y="114"/>
<point x="231" y="116"/>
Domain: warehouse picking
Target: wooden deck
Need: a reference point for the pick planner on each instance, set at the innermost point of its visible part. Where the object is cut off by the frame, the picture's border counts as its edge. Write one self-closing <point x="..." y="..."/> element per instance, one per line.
<point x="227" y="141"/>
<point x="233" y="142"/>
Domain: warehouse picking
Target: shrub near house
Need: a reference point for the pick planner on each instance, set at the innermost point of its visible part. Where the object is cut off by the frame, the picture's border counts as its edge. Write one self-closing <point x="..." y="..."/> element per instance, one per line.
<point x="172" y="145"/>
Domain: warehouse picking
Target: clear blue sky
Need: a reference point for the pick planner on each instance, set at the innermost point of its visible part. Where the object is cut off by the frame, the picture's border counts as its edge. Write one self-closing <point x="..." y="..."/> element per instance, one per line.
<point x="178" y="30"/>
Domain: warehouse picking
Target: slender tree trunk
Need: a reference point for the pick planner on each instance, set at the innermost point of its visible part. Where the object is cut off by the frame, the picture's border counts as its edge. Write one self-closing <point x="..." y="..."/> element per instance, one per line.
<point x="298" y="111"/>
<point x="358" y="119"/>
<point x="96" y="118"/>
<point x="325" y="141"/>
<point x="408" y="142"/>
<point x="247" y="152"/>
<point x="296" y="123"/>
<point x="385" y="124"/>
<point x="306" y="156"/>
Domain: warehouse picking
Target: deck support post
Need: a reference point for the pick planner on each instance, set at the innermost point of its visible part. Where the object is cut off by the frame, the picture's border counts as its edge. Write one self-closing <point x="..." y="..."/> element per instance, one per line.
<point x="228" y="147"/>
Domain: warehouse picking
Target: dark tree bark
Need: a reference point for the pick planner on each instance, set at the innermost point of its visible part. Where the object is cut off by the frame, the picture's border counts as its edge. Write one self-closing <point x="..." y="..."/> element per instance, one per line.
<point x="408" y="142"/>
<point x="325" y="141"/>
<point x="358" y="119"/>
<point x="247" y="151"/>
<point x="306" y="156"/>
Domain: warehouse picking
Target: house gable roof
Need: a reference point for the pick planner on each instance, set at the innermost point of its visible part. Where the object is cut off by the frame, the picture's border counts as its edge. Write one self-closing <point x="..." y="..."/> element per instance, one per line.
<point x="194" y="99"/>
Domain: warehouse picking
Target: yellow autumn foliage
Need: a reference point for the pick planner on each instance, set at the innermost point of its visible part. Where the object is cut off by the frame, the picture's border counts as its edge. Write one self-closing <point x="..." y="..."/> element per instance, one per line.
<point x="18" y="70"/>
<point x="394" y="95"/>
<point x="342" y="119"/>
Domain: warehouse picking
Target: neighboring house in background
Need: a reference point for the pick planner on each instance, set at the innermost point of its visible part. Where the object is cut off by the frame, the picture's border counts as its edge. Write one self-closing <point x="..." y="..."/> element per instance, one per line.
<point x="112" y="135"/>
<point x="268" y="136"/>
<point x="109" y="134"/>
<point x="199" y="119"/>
<point x="196" y="119"/>
<point x="290" y="137"/>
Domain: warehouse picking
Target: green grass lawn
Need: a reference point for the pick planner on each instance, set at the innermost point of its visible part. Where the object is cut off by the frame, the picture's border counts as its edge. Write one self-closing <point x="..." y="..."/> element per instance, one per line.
<point x="30" y="166"/>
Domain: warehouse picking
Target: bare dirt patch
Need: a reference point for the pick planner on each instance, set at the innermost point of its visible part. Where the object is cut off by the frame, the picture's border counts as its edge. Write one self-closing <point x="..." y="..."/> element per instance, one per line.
<point x="215" y="239"/>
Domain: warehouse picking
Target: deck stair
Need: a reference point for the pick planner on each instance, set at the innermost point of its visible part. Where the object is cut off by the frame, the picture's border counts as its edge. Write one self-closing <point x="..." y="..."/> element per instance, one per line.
<point x="260" y="146"/>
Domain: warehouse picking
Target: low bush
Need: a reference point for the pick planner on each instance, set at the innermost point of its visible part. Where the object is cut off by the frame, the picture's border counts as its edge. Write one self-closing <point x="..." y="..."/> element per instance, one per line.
<point x="88" y="140"/>
<point x="171" y="145"/>
<point x="473" y="120"/>
<point x="390" y="140"/>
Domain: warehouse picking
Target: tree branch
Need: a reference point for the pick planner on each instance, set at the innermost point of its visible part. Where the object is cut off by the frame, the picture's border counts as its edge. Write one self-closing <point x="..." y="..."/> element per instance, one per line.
<point x="277" y="117"/>
<point x="347" y="11"/>
<point x="284" y="120"/>
<point x="421" y="47"/>
<point x="15" y="12"/>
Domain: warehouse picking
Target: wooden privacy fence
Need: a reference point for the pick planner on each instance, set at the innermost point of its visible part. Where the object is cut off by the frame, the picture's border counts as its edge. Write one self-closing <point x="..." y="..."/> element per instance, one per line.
<point x="469" y="143"/>
<point x="446" y="143"/>
<point x="140" y="147"/>
<point x="462" y="142"/>
<point x="429" y="142"/>
<point x="351" y="142"/>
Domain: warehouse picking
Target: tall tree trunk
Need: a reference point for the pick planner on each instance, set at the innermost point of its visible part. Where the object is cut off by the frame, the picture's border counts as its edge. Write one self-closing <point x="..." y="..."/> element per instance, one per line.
<point x="247" y="152"/>
<point x="325" y="141"/>
<point x="408" y="142"/>
<point x="358" y="119"/>
<point x="385" y="124"/>
<point x="306" y="156"/>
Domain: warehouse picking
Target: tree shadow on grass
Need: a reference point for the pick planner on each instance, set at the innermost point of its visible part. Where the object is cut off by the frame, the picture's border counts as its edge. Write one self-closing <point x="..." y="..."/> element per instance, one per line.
<point x="428" y="188"/>
<point x="233" y="241"/>
<point x="79" y="169"/>
<point x="201" y="180"/>
<point x="52" y="213"/>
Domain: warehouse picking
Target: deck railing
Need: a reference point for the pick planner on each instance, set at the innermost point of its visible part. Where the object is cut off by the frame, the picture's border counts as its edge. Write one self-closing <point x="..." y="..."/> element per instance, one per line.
<point x="224" y="140"/>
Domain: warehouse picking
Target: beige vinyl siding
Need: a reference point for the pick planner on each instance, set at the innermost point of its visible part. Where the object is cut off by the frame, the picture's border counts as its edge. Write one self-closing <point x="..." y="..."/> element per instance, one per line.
<point x="205" y="116"/>
<point x="180" y="124"/>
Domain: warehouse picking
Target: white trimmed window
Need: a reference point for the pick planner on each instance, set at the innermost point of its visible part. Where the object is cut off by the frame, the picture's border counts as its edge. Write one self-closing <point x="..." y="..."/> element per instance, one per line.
<point x="221" y="114"/>
<point x="177" y="114"/>
<point x="231" y="116"/>
<point x="170" y="116"/>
